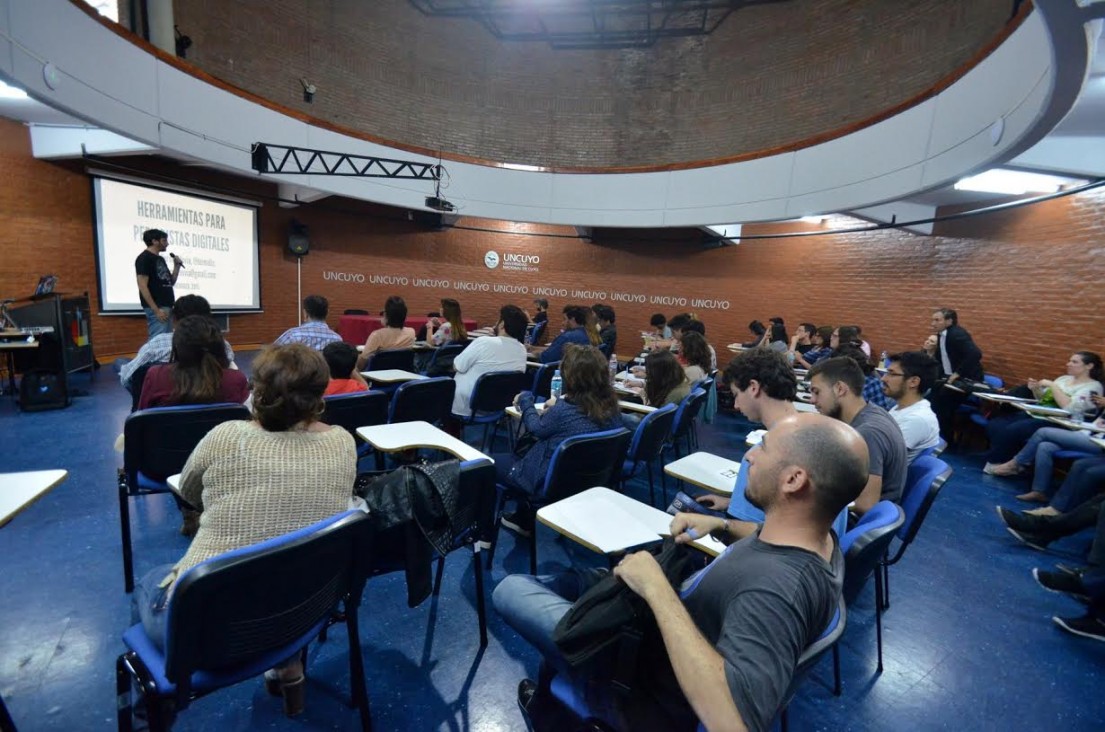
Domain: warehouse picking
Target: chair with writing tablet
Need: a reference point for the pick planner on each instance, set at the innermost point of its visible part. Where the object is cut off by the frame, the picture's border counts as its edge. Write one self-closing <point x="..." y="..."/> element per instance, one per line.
<point x="533" y="338"/>
<point x="398" y="358"/>
<point x="682" y="430"/>
<point x="647" y="446"/>
<point x="156" y="445"/>
<point x="925" y="477"/>
<point x="350" y="411"/>
<point x="493" y="393"/>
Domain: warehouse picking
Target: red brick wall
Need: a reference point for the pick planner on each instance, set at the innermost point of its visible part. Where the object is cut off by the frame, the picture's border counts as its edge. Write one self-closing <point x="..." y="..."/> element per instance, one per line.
<point x="383" y="68"/>
<point x="1023" y="281"/>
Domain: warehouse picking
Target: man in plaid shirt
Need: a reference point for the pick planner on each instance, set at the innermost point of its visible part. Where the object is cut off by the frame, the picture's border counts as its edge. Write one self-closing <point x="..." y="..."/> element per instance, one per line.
<point x="314" y="333"/>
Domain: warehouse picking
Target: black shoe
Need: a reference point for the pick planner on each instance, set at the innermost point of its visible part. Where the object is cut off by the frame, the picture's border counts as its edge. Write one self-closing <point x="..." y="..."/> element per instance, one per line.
<point x="527" y="690"/>
<point x="1086" y="626"/>
<point x="1072" y="571"/>
<point x="1060" y="582"/>
<point x="1015" y="524"/>
<point x="520" y="522"/>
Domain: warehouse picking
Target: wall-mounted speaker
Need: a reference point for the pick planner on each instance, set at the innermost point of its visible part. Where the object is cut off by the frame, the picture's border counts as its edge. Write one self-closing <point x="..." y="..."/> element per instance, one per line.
<point x="298" y="242"/>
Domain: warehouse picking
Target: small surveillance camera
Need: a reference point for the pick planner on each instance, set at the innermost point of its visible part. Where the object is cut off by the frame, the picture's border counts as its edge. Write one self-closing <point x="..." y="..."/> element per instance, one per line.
<point x="309" y="90"/>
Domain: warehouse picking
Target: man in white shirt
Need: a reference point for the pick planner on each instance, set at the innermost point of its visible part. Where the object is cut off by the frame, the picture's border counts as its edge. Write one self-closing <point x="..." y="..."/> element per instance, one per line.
<point x="908" y="377"/>
<point x="502" y="352"/>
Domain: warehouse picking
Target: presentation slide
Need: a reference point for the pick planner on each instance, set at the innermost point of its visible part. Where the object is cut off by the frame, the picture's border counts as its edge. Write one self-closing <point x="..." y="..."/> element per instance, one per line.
<point x="216" y="240"/>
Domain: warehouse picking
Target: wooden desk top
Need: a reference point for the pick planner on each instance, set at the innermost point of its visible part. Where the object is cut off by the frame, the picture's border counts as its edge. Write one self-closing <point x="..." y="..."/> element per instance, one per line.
<point x="391" y="376"/>
<point x="19" y="490"/>
<point x="410" y="435"/>
<point x="608" y="522"/>
<point x="706" y="470"/>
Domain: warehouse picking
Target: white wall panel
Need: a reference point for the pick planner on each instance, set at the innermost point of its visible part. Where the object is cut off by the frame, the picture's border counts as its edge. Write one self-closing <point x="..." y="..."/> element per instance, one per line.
<point x="720" y="185"/>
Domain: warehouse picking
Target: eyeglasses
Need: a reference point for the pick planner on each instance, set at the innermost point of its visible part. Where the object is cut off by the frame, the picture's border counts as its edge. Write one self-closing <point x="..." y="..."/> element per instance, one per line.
<point x="894" y="373"/>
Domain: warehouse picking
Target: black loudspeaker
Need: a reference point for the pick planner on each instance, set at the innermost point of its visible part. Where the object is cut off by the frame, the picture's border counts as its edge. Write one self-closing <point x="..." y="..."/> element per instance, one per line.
<point x="298" y="243"/>
<point x="43" y="389"/>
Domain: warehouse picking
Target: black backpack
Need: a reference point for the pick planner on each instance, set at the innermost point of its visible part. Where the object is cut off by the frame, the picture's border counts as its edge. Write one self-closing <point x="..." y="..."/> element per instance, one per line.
<point x="43" y="389"/>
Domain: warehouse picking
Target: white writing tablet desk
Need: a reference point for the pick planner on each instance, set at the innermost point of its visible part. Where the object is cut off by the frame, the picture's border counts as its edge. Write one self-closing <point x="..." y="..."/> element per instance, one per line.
<point x="706" y="470"/>
<point x="412" y="435"/>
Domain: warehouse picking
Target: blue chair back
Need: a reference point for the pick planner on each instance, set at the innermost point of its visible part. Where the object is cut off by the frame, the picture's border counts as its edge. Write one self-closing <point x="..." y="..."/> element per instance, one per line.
<point x="651" y="434"/>
<point x="684" y="417"/>
<point x="428" y="400"/>
<point x="441" y="361"/>
<point x="865" y="545"/>
<point x="992" y="381"/>
<point x="351" y="411"/>
<point x="158" y="441"/>
<point x="238" y="608"/>
<point x="585" y="461"/>
<point x="495" y="391"/>
<point x="399" y="358"/>
<point x="536" y="333"/>
<point x="542" y="380"/>
<point x="924" y="479"/>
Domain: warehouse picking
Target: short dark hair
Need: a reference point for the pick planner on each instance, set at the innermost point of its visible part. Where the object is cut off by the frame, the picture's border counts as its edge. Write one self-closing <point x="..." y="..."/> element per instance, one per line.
<point x="836" y="473"/>
<point x="604" y="312"/>
<point x="341" y="358"/>
<point x="514" y="321"/>
<point x="658" y="320"/>
<point x="777" y="320"/>
<point x="577" y="313"/>
<point x="695" y="326"/>
<point x="778" y="332"/>
<point x="826" y="333"/>
<point x="949" y="314"/>
<point x="190" y="305"/>
<point x="679" y="322"/>
<point x="919" y="364"/>
<point x="810" y="328"/>
<point x="769" y="368"/>
<point x="847" y="334"/>
<point x="842" y="369"/>
<point x="149" y="236"/>
<point x="288" y="383"/>
<point x="854" y="352"/>
<point x="541" y="303"/>
<point x="316" y="307"/>
<point x="395" y="312"/>
<point x="757" y="328"/>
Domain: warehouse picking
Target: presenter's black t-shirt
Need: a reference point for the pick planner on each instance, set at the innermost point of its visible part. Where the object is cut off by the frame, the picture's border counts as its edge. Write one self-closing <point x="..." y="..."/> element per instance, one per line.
<point x="160" y="279"/>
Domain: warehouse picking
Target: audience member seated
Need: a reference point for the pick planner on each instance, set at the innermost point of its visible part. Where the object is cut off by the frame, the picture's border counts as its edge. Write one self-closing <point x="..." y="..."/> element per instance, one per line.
<point x="257" y="480"/>
<point x="931" y="346"/>
<point x="872" y="385"/>
<point x="1085" y="584"/>
<point x="587" y="404"/>
<point x="802" y="340"/>
<point x="449" y="330"/>
<point x="757" y="329"/>
<point x="198" y="372"/>
<point x="659" y="326"/>
<point x="433" y="317"/>
<point x="665" y="383"/>
<point x="732" y="633"/>
<point x="836" y="385"/>
<point x="844" y="335"/>
<point x="341" y="359"/>
<point x="542" y="311"/>
<point x="776" y="338"/>
<point x="908" y="377"/>
<point x="394" y="335"/>
<point x="697" y="326"/>
<point x="502" y="352"/>
<point x="591" y="328"/>
<point x="694" y="355"/>
<point x="820" y="349"/>
<point x="608" y="332"/>
<point x="1074" y="392"/>
<point x="314" y="332"/>
<point x="1039" y="451"/>
<point x="863" y="345"/>
<point x="575" y="323"/>
<point x="159" y="348"/>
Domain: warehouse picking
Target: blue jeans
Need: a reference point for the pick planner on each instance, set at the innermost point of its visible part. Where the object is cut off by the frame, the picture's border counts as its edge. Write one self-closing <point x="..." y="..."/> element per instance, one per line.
<point x="1083" y="482"/>
<point x="1041" y="448"/>
<point x="149" y="604"/>
<point x="157" y="327"/>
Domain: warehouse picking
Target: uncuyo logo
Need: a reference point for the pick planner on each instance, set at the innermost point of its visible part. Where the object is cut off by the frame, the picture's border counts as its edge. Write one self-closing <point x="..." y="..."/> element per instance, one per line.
<point x="491" y="260"/>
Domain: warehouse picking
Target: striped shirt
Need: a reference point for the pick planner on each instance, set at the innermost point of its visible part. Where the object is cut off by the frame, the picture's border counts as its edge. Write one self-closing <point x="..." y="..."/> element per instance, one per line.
<point x="313" y="334"/>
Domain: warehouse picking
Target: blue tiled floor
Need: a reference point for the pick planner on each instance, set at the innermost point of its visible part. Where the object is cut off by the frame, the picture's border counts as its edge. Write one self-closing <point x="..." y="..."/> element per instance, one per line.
<point x="968" y="638"/>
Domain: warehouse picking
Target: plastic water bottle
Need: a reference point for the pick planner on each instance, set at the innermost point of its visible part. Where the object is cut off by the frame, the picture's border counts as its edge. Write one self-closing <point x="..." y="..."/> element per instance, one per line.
<point x="885" y="360"/>
<point x="556" y="385"/>
<point x="613" y="366"/>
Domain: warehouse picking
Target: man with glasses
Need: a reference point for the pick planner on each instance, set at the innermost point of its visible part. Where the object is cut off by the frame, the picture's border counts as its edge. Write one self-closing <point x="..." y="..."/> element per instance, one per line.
<point x="908" y="377"/>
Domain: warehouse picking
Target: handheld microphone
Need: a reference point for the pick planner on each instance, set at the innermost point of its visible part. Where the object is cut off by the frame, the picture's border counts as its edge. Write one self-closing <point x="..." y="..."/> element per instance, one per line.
<point x="177" y="260"/>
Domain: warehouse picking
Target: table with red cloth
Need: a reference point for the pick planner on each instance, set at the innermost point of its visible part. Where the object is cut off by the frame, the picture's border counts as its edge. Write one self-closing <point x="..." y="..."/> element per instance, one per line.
<point x="355" y="329"/>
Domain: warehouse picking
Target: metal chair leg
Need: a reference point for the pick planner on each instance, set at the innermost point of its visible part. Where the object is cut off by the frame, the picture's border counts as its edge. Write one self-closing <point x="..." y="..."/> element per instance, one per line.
<point x="356" y="669"/>
<point x="440" y="571"/>
<point x="124" y="525"/>
<point x="878" y="616"/>
<point x="481" y="605"/>
<point x="651" y="487"/>
<point x="836" y="669"/>
<point x="123" y="706"/>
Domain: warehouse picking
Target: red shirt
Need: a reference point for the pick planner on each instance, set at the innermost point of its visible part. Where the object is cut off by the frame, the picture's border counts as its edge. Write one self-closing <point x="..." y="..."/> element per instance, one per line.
<point x="157" y="389"/>
<point x="343" y="386"/>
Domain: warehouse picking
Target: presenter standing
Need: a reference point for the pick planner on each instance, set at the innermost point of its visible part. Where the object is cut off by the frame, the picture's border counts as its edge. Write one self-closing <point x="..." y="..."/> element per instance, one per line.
<point x="155" y="282"/>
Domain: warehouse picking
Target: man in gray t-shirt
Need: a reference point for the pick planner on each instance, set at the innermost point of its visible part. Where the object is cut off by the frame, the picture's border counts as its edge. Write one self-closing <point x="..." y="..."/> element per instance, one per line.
<point x="836" y="385"/>
<point x="732" y="634"/>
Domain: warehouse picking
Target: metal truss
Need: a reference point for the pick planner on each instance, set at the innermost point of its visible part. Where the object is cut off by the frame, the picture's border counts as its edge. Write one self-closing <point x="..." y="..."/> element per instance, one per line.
<point x="590" y="24"/>
<point x="270" y="158"/>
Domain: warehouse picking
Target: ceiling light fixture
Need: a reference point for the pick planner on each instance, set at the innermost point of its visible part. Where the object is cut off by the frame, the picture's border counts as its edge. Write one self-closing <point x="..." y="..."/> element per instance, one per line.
<point x="1013" y="182"/>
<point x="11" y="92"/>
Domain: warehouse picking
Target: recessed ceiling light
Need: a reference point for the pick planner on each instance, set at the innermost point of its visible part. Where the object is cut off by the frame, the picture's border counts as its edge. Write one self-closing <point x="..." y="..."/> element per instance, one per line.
<point x="1014" y="182"/>
<point x="11" y="92"/>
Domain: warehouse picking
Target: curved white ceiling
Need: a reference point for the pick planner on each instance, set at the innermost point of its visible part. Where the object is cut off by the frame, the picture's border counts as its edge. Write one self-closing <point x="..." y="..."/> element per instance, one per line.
<point x="1029" y="82"/>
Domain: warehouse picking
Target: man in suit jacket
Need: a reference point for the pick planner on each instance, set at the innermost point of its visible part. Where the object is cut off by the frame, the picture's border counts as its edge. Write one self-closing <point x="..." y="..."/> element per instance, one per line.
<point x="958" y="357"/>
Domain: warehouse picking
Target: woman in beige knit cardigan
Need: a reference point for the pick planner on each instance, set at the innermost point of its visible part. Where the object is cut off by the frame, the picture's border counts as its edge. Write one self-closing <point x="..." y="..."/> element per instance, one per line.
<point x="260" y="479"/>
